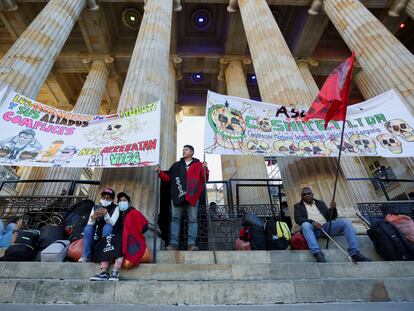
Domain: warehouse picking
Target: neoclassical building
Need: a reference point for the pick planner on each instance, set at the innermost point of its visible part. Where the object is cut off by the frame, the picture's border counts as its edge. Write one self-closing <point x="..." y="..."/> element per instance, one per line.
<point x="103" y="56"/>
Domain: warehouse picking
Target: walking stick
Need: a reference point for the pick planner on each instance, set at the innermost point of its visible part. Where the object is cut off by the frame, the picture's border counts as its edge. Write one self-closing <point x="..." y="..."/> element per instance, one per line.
<point x="337" y="245"/>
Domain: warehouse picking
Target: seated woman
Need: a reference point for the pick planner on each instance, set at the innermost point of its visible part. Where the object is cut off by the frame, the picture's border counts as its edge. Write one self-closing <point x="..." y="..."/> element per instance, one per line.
<point x="129" y="231"/>
<point x="7" y="237"/>
<point x="100" y="224"/>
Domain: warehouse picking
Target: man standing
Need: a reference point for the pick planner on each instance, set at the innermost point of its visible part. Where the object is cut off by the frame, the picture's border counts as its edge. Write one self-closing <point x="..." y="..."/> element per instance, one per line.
<point x="186" y="179"/>
<point x="312" y="215"/>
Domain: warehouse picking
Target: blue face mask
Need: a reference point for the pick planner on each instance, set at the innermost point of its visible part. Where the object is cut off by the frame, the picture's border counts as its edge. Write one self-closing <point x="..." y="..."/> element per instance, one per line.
<point x="123" y="206"/>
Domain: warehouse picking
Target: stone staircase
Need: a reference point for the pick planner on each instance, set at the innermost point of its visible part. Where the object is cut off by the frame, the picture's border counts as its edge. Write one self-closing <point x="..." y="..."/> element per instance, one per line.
<point x="211" y="278"/>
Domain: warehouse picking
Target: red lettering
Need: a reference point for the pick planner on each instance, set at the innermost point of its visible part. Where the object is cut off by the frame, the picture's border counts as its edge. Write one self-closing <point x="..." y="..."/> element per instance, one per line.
<point x="134" y="147"/>
<point x="127" y="148"/>
<point x="153" y="144"/>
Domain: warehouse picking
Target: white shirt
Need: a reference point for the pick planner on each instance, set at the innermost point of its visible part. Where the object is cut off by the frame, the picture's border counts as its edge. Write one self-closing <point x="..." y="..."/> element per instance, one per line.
<point x="187" y="164"/>
<point x="314" y="213"/>
<point x="108" y="219"/>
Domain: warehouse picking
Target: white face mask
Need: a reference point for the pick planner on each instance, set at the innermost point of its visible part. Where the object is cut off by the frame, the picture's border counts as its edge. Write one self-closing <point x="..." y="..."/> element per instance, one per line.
<point x="123" y="206"/>
<point x="105" y="203"/>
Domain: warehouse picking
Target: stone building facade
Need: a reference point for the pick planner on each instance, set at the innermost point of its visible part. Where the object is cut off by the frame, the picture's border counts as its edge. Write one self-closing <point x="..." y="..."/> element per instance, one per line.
<point x="109" y="55"/>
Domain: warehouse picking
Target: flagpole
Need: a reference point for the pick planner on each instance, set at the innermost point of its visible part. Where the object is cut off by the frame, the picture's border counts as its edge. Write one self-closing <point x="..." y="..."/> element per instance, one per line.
<point x="336" y="181"/>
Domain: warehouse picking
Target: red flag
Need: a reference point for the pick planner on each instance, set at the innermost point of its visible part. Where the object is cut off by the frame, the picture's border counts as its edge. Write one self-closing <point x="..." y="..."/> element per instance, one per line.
<point x="332" y="100"/>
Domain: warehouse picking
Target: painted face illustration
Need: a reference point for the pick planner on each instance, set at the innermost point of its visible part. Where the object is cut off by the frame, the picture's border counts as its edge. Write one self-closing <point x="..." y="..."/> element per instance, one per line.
<point x="228" y="124"/>
<point x="333" y="145"/>
<point x="264" y="124"/>
<point x="398" y="127"/>
<point x="287" y="147"/>
<point x="258" y="147"/>
<point x="312" y="148"/>
<point x="364" y="143"/>
<point x="390" y="142"/>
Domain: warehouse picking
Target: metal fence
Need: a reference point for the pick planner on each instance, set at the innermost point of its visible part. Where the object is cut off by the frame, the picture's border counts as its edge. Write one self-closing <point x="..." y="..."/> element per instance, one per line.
<point x="378" y="210"/>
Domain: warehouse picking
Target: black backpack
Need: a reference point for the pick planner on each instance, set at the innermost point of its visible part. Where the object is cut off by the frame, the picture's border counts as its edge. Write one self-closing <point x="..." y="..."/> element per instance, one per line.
<point x="389" y="242"/>
<point x="257" y="238"/>
<point x="277" y="234"/>
<point x="24" y="248"/>
<point x="77" y="218"/>
<point x="50" y="234"/>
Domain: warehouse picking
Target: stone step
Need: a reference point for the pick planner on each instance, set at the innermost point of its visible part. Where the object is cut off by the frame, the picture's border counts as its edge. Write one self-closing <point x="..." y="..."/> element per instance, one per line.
<point x="206" y="293"/>
<point x="209" y="272"/>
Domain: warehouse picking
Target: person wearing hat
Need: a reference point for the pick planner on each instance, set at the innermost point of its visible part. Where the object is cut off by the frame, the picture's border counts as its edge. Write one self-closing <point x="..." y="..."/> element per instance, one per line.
<point x="131" y="245"/>
<point x="100" y="224"/>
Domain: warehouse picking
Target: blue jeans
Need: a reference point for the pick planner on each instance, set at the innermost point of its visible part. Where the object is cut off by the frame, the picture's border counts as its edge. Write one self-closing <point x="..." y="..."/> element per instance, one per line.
<point x="176" y="212"/>
<point x="6" y="234"/>
<point x="88" y="238"/>
<point x="338" y="226"/>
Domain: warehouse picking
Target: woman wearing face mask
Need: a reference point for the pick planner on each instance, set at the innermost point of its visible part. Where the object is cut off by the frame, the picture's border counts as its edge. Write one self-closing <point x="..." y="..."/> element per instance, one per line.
<point x="102" y="219"/>
<point x="131" y="225"/>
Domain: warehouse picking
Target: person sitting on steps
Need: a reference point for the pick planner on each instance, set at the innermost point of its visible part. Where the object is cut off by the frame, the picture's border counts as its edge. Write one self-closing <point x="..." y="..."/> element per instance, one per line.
<point x="312" y="215"/>
<point x="131" y="226"/>
<point x="101" y="221"/>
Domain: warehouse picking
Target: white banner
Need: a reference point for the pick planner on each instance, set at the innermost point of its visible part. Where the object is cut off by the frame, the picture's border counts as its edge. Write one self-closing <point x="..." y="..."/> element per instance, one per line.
<point x="381" y="126"/>
<point x="33" y="134"/>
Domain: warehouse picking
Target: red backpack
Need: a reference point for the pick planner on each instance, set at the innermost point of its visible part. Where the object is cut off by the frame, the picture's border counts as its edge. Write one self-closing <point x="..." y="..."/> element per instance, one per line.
<point x="298" y="242"/>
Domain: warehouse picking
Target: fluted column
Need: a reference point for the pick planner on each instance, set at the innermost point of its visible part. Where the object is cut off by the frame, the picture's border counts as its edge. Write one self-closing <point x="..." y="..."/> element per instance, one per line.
<point x="146" y="82"/>
<point x="410" y="9"/>
<point x="384" y="59"/>
<point x="280" y="82"/>
<point x="89" y="102"/>
<point x="28" y="62"/>
<point x="169" y="132"/>
<point x="370" y="89"/>
<point x="242" y="166"/>
<point x="351" y="166"/>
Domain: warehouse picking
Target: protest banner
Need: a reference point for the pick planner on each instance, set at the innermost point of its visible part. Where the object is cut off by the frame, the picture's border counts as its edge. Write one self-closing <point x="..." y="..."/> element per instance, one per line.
<point x="381" y="126"/>
<point x="33" y="134"/>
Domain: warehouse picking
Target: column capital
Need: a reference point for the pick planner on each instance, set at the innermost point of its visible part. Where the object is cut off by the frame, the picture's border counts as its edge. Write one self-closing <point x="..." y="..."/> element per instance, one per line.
<point x="177" y="6"/>
<point x="316" y="7"/>
<point x="233" y="6"/>
<point x="226" y="60"/>
<point x="93" y="6"/>
<point x="177" y="63"/>
<point x="307" y="60"/>
<point x="8" y="5"/>
<point x="397" y="7"/>
<point x="107" y="59"/>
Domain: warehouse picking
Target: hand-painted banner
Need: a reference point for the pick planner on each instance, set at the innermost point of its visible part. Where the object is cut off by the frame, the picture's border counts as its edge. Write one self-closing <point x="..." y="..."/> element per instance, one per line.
<point x="381" y="126"/>
<point x="33" y="134"/>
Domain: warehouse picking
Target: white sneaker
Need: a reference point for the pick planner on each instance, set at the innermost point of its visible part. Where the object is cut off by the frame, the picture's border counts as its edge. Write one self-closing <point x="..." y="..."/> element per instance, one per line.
<point x="84" y="259"/>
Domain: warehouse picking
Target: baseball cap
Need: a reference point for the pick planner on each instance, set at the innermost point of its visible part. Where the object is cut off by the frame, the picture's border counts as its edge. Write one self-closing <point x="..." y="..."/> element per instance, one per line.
<point x="109" y="191"/>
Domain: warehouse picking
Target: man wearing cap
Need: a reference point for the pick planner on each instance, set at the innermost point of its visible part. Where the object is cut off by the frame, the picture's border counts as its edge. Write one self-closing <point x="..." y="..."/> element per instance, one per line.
<point x="186" y="178"/>
<point x="102" y="219"/>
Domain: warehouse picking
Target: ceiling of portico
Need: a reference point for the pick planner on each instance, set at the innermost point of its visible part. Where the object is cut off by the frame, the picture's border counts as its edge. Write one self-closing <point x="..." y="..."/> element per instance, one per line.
<point x="103" y="32"/>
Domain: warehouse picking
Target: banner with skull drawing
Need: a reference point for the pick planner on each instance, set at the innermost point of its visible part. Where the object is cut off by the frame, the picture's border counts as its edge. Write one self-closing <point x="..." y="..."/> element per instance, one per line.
<point x="33" y="134"/>
<point x="381" y="126"/>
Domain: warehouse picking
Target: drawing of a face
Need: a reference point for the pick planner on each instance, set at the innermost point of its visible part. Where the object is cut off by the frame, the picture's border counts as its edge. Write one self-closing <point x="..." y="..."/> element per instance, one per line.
<point x="287" y="147"/>
<point x="398" y="127"/>
<point x="364" y="143"/>
<point x="390" y="142"/>
<point x="228" y="125"/>
<point x="258" y="147"/>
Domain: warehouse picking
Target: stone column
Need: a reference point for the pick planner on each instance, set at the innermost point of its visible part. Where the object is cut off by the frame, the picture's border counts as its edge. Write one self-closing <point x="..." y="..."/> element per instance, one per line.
<point x="410" y="9"/>
<point x="387" y="62"/>
<point x="89" y="102"/>
<point x="242" y="166"/>
<point x="146" y="82"/>
<point x="370" y="89"/>
<point x="351" y="166"/>
<point x="28" y="62"/>
<point x="280" y="82"/>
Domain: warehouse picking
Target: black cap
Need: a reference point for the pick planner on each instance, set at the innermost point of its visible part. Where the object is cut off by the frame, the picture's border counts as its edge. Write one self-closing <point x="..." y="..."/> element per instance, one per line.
<point x="109" y="191"/>
<point x="123" y="194"/>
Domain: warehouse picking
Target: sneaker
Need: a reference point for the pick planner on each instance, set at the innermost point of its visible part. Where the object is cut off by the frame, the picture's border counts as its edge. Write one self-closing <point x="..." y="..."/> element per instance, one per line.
<point x="84" y="259"/>
<point x="193" y="248"/>
<point x="358" y="257"/>
<point x="172" y="247"/>
<point x="320" y="257"/>
<point x="114" y="276"/>
<point x="103" y="276"/>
